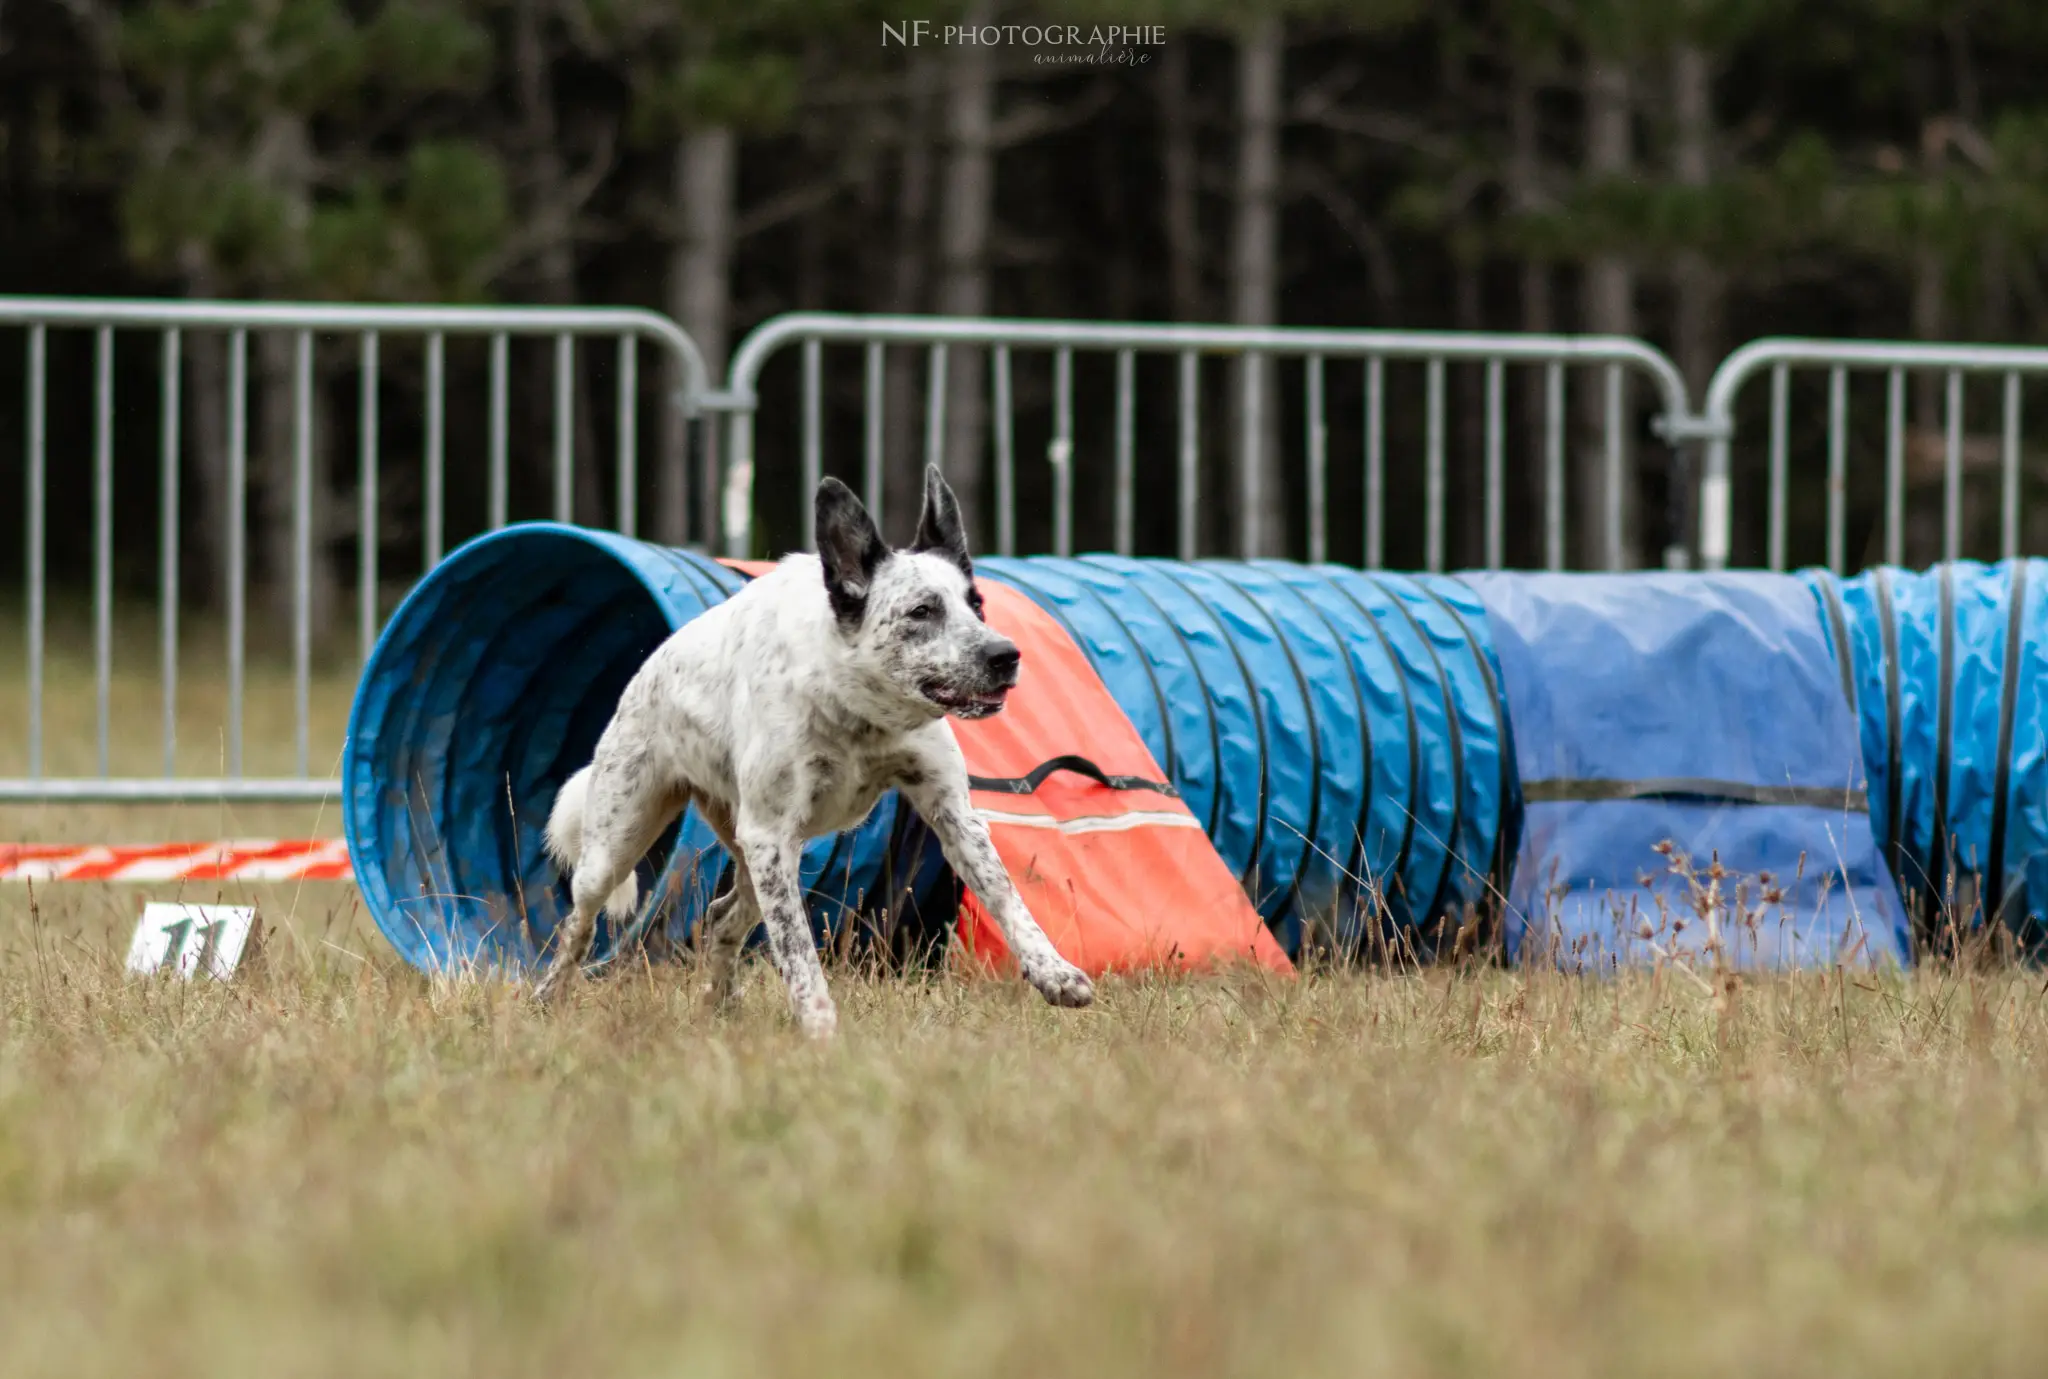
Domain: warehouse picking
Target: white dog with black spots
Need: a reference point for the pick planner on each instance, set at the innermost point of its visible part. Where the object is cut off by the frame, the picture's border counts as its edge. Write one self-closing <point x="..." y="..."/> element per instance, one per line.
<point x="784" y="714"/>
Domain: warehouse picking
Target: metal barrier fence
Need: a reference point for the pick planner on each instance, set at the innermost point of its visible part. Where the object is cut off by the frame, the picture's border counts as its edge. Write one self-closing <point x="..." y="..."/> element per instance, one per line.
<point x="367" y="324"/>
<point x="1903" y="448"/>
<point x="1358" y="360"/>
<point x="1617" y="357"/>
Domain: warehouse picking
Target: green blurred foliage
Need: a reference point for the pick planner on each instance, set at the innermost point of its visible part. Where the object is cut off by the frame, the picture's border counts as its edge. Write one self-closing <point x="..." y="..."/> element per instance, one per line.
<point x="289" y="148"/>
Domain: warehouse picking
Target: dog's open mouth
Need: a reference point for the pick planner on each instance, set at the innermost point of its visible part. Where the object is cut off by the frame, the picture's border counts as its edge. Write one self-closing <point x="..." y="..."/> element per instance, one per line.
<point x="964" y="703"/>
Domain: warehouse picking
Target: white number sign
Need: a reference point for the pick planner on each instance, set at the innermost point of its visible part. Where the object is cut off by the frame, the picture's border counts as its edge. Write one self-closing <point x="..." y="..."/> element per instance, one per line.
<point x="186" y="938"/>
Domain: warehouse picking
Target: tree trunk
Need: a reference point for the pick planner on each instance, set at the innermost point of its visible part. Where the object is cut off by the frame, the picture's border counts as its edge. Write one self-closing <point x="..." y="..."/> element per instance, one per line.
<point x="1698" y="285"/>
<point x="207" y="405"/>
<point x="1609" y="307"/>
<point x="903" y="408"/>
<point x="1255" y="281"/>
<point x="1697" y="309"/>
<point x="555" y="265"/>
<point x="1467" y="466"/>
<point x="276" y="477"/>
<point x="1925" y="440"/>
<point x="965" y="209"/>
<point x="1526" y="197"/>
<point x="698" y="294"/>
<point x="283" y="157"/>
<point x="1182" y="208"/>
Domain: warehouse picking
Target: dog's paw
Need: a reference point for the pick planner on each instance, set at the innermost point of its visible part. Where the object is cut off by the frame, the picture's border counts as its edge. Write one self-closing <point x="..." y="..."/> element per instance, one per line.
<point x="547" y="993"/>
<point x="1061" y="983"/>
<point x="818" y="1019"/>
<point x="717" y="997"/>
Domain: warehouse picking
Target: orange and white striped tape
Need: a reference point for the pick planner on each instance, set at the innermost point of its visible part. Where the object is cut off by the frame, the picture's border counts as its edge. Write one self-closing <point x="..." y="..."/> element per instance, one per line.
<point x="312" y="859"/>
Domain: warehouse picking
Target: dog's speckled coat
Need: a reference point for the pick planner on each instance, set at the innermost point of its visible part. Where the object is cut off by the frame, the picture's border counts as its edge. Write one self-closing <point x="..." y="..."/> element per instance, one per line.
<point x="784" y="713"/>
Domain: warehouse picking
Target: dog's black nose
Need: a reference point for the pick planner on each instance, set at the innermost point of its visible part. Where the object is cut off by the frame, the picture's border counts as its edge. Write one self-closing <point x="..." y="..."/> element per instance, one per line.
<point x="1002" y="660"/>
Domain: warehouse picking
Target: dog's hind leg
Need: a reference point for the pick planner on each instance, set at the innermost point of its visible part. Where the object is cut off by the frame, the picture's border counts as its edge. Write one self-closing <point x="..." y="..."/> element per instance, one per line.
<point x="731" y="915"/>
<point x="727" y="923"/>
<point x="772" y="857"/>
<point x="624" y="810"/>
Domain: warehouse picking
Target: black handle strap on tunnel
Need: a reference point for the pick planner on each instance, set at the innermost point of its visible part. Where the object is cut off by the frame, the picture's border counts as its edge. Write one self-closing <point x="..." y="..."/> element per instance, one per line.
<point x="1570" y="791"/>
<point x="2008" y="705"/>
<point x="1029" y="782"/>
<point x="1838" y="631"/>
<point x="1944" y="724"/>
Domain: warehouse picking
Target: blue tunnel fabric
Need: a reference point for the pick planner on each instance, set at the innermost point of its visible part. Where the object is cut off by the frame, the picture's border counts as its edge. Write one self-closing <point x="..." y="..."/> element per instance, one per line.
<point x="1948" y="670"/>
<point x="1716" y="700"/>
<point x="1341" y="734"/>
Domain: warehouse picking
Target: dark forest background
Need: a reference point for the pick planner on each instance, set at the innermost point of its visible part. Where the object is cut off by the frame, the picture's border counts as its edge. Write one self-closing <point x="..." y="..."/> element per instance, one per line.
<point x="1697" y="172"/>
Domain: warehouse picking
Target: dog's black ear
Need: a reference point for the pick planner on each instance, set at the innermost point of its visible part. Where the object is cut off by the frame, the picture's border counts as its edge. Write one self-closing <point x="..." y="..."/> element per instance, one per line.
<point x="850" y="548"/>
<point x="939" y="529"/>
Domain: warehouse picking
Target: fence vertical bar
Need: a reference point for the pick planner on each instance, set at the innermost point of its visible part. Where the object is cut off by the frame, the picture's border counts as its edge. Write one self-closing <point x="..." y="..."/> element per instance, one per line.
<point x="1375" y="462"/>
<point x="1251" y="435"/>
<point x="813" y="434"/>
<point x="437" y="425"/>
<point x="168" y="422"/>
<point x="103" y="542"/>
<point x="935" y="409"/>
<point x="238" y="539"/>
<point x="499" y="482"/>
<point x="565" y="428"/>
<point x="1553" y="466"/>
<point x="2009" y="476"/>
<point x="1126" y="451"/>
<point x="1433" y="470"/>
<point x="1496" y="478"/>
<point x="1616" y="554"/>
<point x="367" y="516"/>
<point x="1895" y="468"/>
<point x="1952" y="473"/>
<point x="871" y="457"/>
<point x="734" y="516"/>
<point x="1062" y="452"/>
<point x="1318" y="461"/>
<point x="629" y="435"/>
<point x="38" y="433"/>
<point x="1774" y="537"/>
<point x="1838" y="468"/>
<point x="302" y="547"/>
<point x="1188" y="457"/>
<point x="1006" y="452"/>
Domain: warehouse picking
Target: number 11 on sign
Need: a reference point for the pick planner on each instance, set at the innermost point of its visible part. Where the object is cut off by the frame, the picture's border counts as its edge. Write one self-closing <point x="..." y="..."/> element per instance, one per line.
<point x="189" y="939"/>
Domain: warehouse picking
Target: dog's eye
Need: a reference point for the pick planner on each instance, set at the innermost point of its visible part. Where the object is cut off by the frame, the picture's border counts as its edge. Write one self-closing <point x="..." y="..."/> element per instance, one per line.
<point x="925" y="612"/>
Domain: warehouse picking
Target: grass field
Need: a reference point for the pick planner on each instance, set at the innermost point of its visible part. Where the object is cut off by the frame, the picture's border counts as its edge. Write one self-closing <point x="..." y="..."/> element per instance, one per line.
<point x="332" y="1166"/>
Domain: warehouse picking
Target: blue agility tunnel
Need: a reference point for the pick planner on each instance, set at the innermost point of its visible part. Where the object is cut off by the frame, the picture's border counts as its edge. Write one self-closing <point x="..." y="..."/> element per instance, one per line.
<point x="489" y="686"/>
<point x="1700" y="710"/>
<point x="1374" y="756"/>
<point x="1340" y="735"/>
<point x="1948" y="673"/>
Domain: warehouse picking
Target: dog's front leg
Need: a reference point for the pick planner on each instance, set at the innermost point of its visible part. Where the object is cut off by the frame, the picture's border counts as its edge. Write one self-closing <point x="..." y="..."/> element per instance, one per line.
<point x="963" y="837"/>
<point x="772" y="856"/>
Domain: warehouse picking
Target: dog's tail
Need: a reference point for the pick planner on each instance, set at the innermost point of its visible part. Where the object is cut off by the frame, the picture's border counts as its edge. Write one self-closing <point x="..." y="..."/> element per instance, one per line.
<point x="565" y="845"/>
